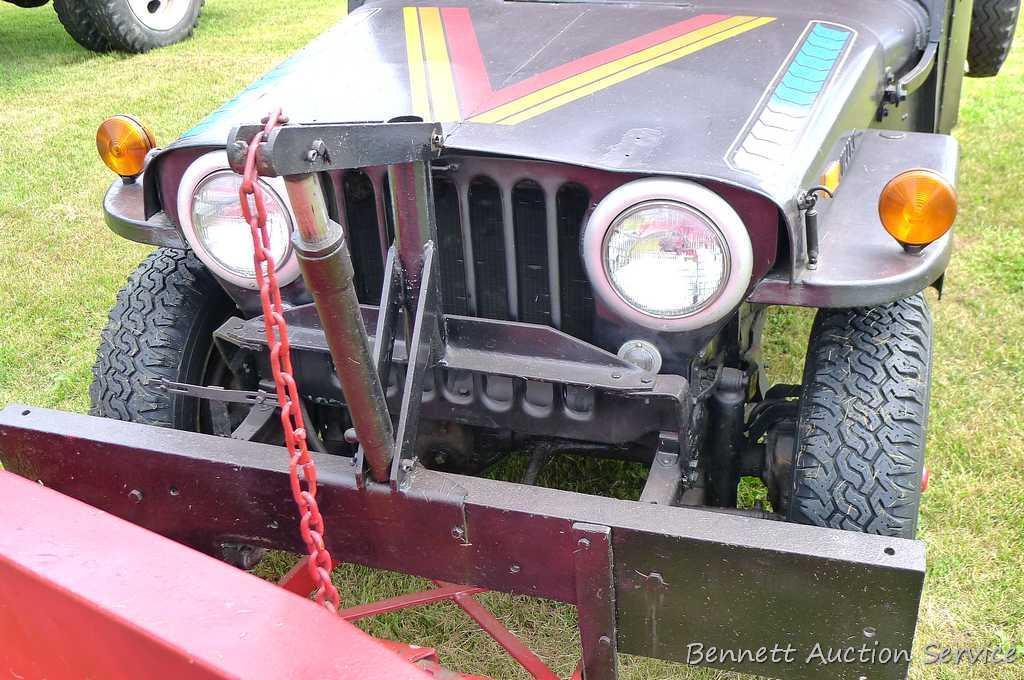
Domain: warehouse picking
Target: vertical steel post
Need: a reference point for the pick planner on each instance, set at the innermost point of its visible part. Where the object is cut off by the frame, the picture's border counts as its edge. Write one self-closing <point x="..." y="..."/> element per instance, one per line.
<point x="415" y="223"/>
<point x="327" y="269"/>
<point x="595" y="600"/>
<point x="415" y="238"/>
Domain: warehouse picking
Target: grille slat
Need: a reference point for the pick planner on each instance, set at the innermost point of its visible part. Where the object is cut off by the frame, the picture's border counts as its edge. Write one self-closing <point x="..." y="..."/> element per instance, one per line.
<point x="551" y="234"/>
<point x="467" y="248"/>
<point x="507" y="249"/>
<point x="508" y="233"/>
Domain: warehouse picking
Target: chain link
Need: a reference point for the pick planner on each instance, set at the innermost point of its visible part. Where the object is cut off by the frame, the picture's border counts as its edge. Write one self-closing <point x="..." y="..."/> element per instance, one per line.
<point x="301" y="466"/>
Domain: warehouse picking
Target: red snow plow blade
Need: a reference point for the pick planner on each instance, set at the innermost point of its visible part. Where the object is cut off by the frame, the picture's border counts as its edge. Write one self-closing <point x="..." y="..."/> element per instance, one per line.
<point x="84" y="594"/>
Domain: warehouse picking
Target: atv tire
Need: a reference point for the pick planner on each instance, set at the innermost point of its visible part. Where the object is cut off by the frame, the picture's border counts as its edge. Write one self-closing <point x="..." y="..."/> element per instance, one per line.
<point x="138" y="26"/>
<point x="78" y="22"/>
<point x="161" y="327"/>
<point x="992" y="26"/>
<point x="862" y="419"/>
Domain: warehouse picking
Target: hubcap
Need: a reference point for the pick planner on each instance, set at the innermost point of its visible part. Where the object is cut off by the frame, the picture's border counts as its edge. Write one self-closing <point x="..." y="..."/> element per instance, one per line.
<point x="160" y="15"/>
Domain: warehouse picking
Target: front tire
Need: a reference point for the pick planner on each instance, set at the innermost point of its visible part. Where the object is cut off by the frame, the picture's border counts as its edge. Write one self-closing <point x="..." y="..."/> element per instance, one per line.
<point x="862" y="419"/>
<point x="143" y="25"/>
<point x="161" y="327"/>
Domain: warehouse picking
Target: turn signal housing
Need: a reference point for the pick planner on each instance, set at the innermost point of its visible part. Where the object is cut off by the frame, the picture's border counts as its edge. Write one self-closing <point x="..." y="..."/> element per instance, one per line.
<point x="123" y="142"/>
<point x="917" y="207"/>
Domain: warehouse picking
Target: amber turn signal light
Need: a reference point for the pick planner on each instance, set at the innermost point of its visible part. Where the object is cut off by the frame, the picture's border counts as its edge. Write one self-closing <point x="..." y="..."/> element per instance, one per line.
<point x="123" y="142"/>
<point x="917" y="207"/>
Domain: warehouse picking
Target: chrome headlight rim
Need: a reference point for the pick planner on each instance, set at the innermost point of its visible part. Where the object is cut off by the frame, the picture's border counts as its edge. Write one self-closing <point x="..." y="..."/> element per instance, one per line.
<point x="199" y="171"/>
<point x="715" y="211"/>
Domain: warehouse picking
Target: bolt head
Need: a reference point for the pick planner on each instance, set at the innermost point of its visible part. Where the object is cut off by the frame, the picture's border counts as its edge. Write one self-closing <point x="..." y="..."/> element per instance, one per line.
<point x="458" y="532"/>
<point x="584" y="543"/>
<point x="135" y="495"/>
<point x="514" y="568"/>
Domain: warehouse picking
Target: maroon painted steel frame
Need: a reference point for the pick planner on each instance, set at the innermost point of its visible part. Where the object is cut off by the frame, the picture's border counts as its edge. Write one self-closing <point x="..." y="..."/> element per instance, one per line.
<point x="811" y="585"/>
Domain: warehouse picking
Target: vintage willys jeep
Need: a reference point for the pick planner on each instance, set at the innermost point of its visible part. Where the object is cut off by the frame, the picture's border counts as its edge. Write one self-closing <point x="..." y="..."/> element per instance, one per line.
<point x="550" y="227"/>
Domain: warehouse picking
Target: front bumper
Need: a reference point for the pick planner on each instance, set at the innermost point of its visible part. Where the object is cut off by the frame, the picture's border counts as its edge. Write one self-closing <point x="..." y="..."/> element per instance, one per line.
<point x="125" y="214"/>
<point x="665" y="578"/>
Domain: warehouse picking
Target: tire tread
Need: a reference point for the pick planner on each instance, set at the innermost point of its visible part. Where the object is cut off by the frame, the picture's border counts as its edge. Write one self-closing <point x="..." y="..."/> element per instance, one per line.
<point x="149" y="328"/>
<point x="992" y="27"/>
<point x="77" y="20"/>
<point x="862" y="419"/>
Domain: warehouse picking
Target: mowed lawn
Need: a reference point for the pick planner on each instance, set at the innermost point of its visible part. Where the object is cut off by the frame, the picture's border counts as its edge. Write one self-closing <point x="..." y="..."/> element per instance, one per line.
<point x="60" y="269"/>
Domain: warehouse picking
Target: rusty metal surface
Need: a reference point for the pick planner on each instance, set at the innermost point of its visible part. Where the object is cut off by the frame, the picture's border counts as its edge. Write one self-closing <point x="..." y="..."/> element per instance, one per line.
<point x="87" y="595"/>
<point x="811" y="584"/>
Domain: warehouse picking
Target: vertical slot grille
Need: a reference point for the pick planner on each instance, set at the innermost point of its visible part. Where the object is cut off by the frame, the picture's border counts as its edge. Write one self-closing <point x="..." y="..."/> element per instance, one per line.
<point x="530" y="221"/>
<point x="577" y="297"/>
<point x="541" y="281"/>
<point x="363" y="233"/>
<point x="450" y="248"/>
<point x="487" y="230"/>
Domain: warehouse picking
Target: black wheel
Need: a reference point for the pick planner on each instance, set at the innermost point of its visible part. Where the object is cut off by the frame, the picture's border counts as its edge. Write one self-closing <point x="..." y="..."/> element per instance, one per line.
<point x="78" y="22"/>
<point x="862" y="419"/>
<point x="992" y="26"/>
<point x="142" y="25"/>
<point x="162" y="328"/>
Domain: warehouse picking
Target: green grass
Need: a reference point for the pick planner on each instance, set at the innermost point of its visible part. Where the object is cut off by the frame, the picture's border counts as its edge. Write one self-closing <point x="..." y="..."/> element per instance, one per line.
<point x="60" y="269"/>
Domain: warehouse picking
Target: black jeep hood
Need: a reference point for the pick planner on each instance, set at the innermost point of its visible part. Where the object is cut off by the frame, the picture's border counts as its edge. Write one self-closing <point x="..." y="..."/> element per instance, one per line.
<point x="749" y="92"/>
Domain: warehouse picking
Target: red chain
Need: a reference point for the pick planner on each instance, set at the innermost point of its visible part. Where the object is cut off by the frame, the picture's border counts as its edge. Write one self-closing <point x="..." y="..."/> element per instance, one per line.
<point x="301" y="464"/>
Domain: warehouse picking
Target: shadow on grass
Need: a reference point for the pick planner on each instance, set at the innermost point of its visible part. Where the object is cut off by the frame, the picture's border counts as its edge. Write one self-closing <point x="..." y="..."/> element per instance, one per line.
<point x="32" y="43"/>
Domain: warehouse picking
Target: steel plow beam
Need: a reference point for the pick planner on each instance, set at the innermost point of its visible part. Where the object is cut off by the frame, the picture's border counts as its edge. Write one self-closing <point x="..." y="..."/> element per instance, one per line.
<point x="681" y="577"/>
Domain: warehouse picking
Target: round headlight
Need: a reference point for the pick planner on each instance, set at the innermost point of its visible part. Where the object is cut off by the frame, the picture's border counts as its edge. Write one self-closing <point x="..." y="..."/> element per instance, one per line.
<point x="667" y="254"/>
<point x="212" y="223"/>
<point x="222" y="230"/>
<point x="666" y="259"/>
